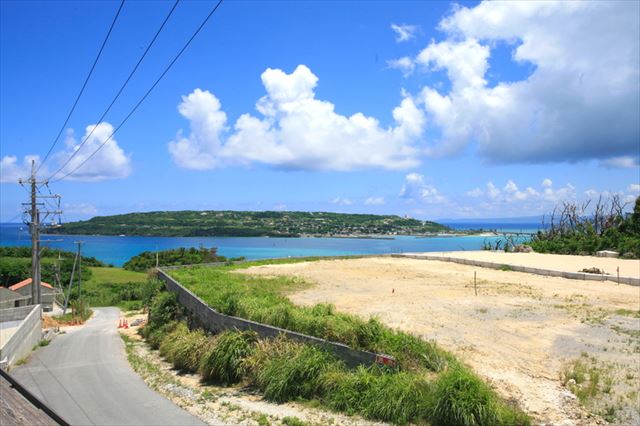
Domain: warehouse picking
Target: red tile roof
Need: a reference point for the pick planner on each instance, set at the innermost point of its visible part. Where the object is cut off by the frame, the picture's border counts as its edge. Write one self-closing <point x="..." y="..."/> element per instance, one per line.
<point x="27" y="282"/>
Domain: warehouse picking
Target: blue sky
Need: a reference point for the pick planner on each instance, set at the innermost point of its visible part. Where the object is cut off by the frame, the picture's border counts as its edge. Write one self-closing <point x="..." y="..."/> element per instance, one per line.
<point x="431" y="109"/>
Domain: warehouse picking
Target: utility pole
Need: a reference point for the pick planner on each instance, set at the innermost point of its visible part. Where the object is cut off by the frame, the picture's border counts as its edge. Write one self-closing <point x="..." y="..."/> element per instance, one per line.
<point x="32" y="209"/>
<point x="79" y="267"/>
<point x="34" y="230"/>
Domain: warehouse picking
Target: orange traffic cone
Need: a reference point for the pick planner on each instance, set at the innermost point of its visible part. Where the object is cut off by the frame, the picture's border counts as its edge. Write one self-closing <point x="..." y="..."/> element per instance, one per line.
<point x="120" y="323"/>
<point x="126" y="324"/>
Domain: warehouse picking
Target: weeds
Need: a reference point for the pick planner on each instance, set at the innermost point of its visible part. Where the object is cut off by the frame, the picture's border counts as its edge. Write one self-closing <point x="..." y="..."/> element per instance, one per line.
<point x="293" y="421"/>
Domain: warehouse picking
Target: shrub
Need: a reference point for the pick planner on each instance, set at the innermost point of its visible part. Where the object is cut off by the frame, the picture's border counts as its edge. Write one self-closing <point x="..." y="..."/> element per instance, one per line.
<point x="164" y="309"/>
<point x="224" y="357"/>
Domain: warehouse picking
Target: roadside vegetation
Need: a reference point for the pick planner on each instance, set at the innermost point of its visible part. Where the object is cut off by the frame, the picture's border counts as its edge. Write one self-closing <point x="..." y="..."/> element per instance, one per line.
<point x="572" y="231"/>
<point x="428" y="386"/>
<point x="15" y="265"/>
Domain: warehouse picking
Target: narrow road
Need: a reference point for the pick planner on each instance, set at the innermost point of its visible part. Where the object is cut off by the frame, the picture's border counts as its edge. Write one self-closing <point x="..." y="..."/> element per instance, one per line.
<point x="85" y="377"/>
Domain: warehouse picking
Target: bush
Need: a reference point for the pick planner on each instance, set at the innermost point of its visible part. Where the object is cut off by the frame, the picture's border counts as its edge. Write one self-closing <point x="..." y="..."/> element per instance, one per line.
<point x="224" y="358"/>
<point x="164" y="309"/>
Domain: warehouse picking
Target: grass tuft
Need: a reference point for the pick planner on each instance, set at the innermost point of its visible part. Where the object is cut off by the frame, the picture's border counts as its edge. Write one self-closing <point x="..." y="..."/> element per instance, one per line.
<point x="286" y="370"/>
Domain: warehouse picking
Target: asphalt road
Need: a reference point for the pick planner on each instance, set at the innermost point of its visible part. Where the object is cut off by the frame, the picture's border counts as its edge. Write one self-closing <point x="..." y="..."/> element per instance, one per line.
<point x="84" y="376"/>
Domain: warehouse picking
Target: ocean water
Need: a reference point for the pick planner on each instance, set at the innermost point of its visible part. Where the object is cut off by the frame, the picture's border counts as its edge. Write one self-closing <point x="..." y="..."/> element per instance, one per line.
<point x="117" y="250"/>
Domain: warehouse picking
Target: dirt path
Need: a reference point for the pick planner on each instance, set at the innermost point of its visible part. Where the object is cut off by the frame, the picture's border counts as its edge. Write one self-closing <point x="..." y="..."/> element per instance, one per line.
<point x="519" y="332"/>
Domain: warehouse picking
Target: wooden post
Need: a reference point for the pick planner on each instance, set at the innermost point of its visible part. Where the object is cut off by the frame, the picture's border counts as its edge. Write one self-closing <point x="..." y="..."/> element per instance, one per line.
<point x="475" y="286"/>
<point x="618" y="270"/>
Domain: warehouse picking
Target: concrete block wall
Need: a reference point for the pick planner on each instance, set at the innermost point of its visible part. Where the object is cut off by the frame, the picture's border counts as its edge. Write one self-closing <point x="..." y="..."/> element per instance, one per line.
<point x="27" y="335"/>
<point x="519" y="268"/>
<point x="215" y="322"/>
<point x="15" y="314"/>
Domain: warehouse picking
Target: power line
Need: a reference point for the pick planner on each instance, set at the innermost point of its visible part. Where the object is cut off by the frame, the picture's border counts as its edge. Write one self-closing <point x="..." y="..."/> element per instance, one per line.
<point x="145" y="95"/>
<point x="135" y="68"/>
<point x="84" y="85"/>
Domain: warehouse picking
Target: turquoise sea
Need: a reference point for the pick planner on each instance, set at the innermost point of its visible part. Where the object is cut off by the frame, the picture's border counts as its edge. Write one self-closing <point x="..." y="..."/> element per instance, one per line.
<point x="117" y="250"/>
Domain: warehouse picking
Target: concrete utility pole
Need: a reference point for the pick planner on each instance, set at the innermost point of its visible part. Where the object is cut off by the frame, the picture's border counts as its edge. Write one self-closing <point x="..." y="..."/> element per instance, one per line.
<point x="34" y="229"/>
<point x="32" y="209"/>
<point x="79" y="267"/>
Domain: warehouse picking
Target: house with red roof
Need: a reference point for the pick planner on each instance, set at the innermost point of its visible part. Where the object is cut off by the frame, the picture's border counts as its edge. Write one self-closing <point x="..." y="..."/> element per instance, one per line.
<point x="47" y="292"/>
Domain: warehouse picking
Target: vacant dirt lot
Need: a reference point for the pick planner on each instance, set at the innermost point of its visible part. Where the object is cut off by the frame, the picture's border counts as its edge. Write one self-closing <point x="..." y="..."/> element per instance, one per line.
<point x="520" y="332"/>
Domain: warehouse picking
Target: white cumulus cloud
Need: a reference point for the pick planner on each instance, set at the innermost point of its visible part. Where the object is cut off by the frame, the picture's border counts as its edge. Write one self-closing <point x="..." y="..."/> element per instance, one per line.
<point x="623" y="162"/>
<point x="110" y="162"/>
<point x="417" y="189"/>
<point x="200" y="149"/>
<point x="404" y="32"/>
<point x="295" y="131"/>
<point x="475" y="193"/>
<point x="341" y="201"/>
<point x="634" y="187"/>
<point x="581" y="101"/>
<point x="12" y="170"/>
<point x="374" y="201"/>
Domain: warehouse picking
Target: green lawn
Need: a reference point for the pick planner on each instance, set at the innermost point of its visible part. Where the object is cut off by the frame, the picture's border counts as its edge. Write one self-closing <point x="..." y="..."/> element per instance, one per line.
<point x="116" y="287"/>
<point x="115" y="275"/>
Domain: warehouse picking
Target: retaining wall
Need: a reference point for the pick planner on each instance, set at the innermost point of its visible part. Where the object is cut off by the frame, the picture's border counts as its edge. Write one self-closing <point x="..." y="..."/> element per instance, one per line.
<point x="215" y="322"/>
<point x="519" y="268"/>
<point x="27" y="335"/>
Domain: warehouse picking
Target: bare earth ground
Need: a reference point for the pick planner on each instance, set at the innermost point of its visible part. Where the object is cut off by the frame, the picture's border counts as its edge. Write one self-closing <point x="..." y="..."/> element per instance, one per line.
<point x="216" y="405"/>
<point x="519" y="332"/>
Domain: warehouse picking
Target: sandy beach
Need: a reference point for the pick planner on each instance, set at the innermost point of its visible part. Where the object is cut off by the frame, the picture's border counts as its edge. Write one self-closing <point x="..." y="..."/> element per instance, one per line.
<point x="519" y="332"/>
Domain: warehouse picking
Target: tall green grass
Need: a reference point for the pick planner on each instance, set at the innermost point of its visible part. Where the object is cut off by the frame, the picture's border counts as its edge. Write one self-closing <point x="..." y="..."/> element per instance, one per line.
<point x="284" y="370"/>
<point x="224" y="358"/>
<point x="185" y="348"/>
<point x="264" y="300"/>
<point x="378" y="393"/>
